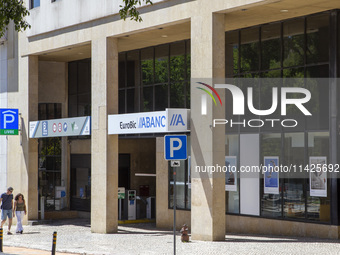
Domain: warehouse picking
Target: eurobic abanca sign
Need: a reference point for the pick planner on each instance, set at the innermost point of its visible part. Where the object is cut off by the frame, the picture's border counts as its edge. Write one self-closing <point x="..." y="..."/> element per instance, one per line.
<point x="170" y="120"/>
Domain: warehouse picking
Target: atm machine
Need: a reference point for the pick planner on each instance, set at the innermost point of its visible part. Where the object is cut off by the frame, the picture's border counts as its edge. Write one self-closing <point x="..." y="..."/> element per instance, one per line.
<point x="131" y="204"/>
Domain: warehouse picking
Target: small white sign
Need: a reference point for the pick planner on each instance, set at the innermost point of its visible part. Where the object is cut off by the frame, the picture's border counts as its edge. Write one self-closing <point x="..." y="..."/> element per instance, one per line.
<point x="175" y="163"/>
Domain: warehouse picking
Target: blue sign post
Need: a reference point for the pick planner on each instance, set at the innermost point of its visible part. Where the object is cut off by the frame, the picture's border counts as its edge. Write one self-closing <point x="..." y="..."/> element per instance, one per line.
<point x="9" y="122"/>
<point x="175" y="148"/>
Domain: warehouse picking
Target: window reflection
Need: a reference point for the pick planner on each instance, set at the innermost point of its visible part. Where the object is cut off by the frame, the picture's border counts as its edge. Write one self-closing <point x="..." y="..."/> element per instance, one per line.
<point x="271" y="46"/>
<point x="317" y="38"/>
<point x="294" y="183"/>
<point x="155" y="78"/>
<point x="293" y="41"/>
<point x="318" y="208"/>
<point x="250" y="49"/>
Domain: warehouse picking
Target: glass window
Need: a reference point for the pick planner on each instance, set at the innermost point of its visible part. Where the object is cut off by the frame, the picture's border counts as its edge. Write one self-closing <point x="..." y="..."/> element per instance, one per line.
<point x="250" y="49"/>
<point x="121" y="101"/>
<point x="35" y="3"/>
<point x="148" y="99"/>
<point x="318" y="38"/>
<point x="147" y="65"/>
<point x="163" y="72"/>
<point x="161" y="63"/>
<point x="271" y="46"/>
<point x="133" y="73"/>
<point x="177" y="62"/>
<point x="161" y="97"/>
<point x="49" y="158"/>
<point x="271" y="201"/>
<point x="177" y="95"/>
<point x="318" y="207"/>
<point x="294" y="183"/>
<point x="79" y="88"/>
<point x="293" y="43"/>
<point x="232" y="191"/>
<point x="121" y="70"/>
<point x="318" y="105"/>
<point x="231" y="52"/>
<point x="131" y="100"/>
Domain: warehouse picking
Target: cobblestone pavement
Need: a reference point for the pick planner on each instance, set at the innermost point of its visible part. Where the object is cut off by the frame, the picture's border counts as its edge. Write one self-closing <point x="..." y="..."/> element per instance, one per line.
<point x="74" y="236"/>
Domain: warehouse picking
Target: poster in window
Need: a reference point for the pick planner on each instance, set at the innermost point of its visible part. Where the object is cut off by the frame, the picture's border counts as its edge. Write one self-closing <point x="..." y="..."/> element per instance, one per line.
<point x="271" y="175"/>
<point x="189" y="172"/>
<point x="231" y="173"/>
<point x="317" y="176"/>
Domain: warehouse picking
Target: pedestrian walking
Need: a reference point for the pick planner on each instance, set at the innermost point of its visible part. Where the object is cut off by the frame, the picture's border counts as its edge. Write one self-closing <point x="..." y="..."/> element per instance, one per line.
<point x="6" y="208"/>
<point x="19" y="210"/>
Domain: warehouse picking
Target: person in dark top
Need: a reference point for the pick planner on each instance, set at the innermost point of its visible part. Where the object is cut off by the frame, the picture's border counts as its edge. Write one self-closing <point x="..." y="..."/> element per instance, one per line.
<point x="6" y="208"/>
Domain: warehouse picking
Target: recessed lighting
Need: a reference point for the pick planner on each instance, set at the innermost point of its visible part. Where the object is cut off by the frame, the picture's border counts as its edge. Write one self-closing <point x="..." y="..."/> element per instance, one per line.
<point x="164" y="36"/>
<point x="80" y="53"/>
<point x="283" y="10"/>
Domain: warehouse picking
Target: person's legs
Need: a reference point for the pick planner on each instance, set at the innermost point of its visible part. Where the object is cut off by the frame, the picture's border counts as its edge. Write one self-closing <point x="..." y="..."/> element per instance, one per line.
<point x="3" y="218"/>
<point x="20" y="215"/>
<point x="10" y="215"/>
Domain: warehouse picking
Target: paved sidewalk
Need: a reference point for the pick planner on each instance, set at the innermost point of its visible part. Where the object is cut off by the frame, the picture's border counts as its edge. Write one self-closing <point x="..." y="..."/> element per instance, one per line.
<point x="25" y="251"/>
<point x="74" y="236"/>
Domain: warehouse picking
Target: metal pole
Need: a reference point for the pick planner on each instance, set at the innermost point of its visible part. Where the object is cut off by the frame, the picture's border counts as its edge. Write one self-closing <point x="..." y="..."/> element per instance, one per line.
<point x="174" y="210"/>
<point x="1" y="236"/>
<point x="42" y="208"/>
<point x="54" y="242"/>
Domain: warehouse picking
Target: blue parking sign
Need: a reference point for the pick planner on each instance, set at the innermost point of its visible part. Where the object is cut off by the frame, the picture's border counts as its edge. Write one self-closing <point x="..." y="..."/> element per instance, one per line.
<point x="9" y="121"/>
<point x="175" y="147"/>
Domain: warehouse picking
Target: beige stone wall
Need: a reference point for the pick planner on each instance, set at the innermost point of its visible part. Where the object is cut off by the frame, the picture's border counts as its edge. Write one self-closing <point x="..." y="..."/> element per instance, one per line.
<point x="255" y="225"/>
<point x="53" y="83"/>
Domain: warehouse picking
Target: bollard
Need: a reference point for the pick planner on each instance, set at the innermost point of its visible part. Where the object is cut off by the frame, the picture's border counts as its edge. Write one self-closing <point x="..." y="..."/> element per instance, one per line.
<point x="1" y="235"/>
<point x="54" y="242"/>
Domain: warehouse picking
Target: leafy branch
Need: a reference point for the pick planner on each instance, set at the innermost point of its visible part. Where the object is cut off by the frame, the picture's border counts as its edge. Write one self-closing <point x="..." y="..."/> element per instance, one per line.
<point x="13" y="10"/>
<point x="129" y="9"/>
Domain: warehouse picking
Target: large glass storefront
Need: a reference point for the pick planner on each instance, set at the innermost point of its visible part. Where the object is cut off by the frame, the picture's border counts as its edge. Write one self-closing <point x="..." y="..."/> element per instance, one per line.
<point x="296" y="48"/>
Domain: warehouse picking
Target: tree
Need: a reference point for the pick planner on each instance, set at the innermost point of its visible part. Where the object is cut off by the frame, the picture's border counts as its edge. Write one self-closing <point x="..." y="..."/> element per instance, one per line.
<point x="13" y="10"/>
<point x="129" y="9"/>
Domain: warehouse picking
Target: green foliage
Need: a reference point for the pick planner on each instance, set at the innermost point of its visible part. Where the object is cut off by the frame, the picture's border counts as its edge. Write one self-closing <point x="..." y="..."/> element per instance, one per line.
<point x="13" y="10"/>
<point x="129" y="9"/>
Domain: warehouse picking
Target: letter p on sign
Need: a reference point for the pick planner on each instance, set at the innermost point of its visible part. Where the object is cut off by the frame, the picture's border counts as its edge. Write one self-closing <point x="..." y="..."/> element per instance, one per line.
<point x="175" y="147"/>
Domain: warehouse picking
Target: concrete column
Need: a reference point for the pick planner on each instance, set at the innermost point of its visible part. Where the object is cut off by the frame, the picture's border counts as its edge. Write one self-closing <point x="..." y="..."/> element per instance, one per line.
<point x="24" y="176"/>
<point x="104" y="148"/>
<point x="207" y="142"/>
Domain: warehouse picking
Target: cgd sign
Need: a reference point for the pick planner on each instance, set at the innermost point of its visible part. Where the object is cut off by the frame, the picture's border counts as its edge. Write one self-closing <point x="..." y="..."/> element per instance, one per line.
<point x="239" y="105"/>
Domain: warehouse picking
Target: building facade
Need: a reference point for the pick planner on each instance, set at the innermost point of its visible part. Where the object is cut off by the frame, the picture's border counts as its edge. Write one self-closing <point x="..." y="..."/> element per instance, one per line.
<point x="79" y="59"/>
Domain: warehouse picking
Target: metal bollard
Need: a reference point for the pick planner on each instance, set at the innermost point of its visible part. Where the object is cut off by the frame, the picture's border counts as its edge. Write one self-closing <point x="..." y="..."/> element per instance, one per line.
<point x="1" y="237"/>
<point x="54" y="242"/>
